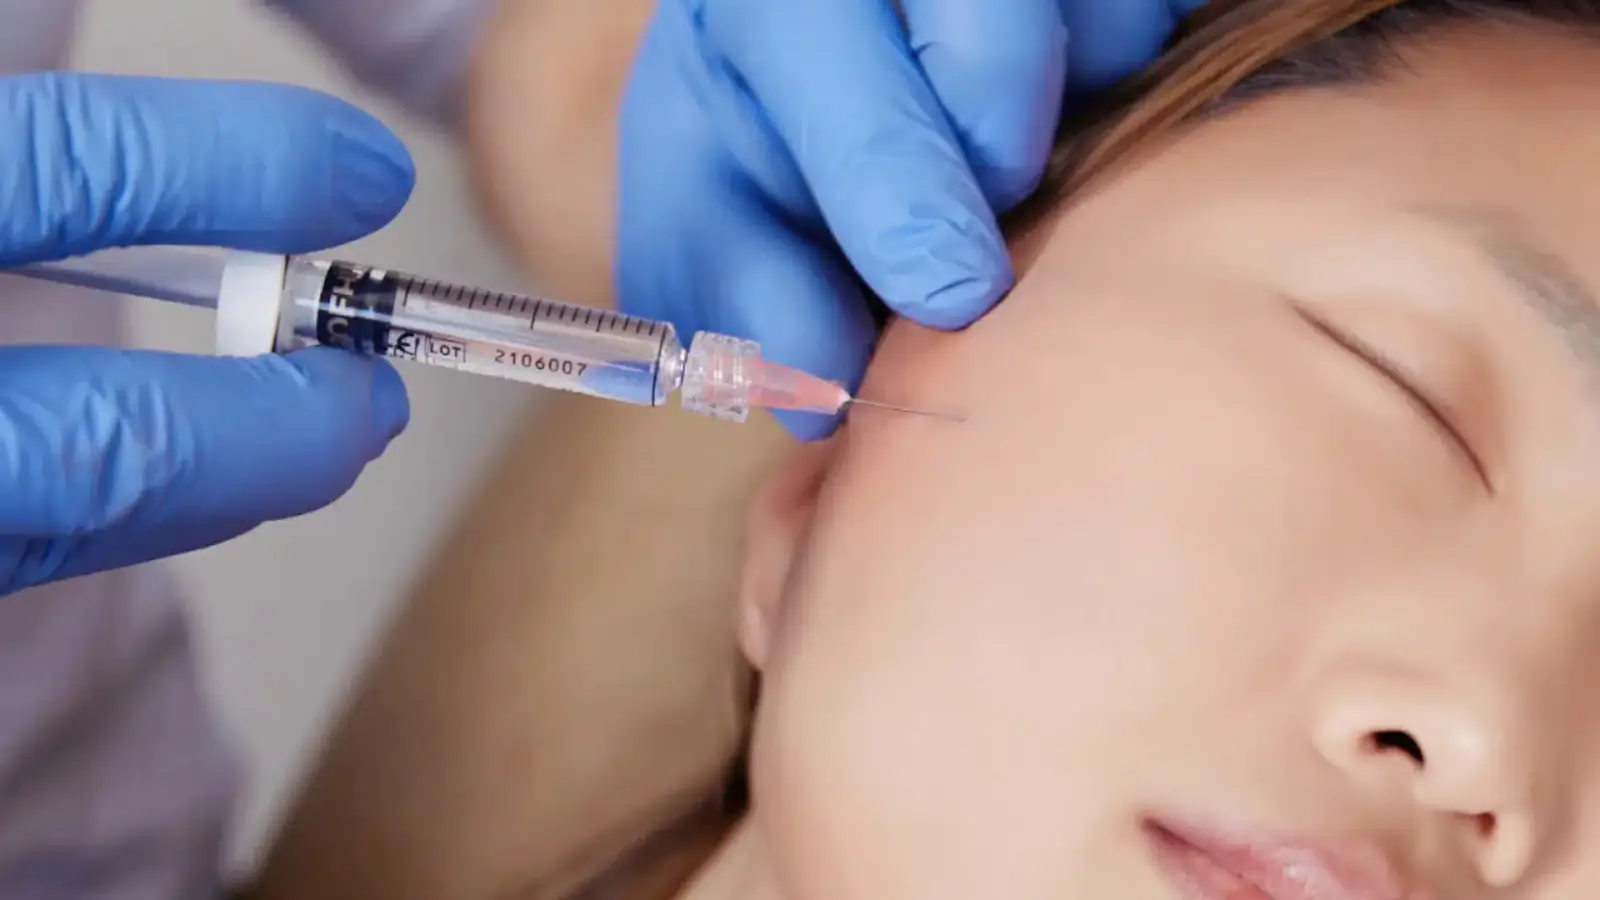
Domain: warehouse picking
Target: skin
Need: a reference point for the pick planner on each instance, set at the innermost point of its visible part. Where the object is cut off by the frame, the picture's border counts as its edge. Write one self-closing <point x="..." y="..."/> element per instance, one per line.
<point x="1185" y="553"/>
<point x="1190" y="555"/>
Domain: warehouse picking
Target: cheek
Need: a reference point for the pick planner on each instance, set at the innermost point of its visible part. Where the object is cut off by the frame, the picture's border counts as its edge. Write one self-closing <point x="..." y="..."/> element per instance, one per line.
<point x="1002" y="628"/>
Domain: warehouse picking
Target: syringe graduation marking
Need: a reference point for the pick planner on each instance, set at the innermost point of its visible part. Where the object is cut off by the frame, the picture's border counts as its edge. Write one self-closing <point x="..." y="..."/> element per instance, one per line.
<point x="386" y="294"/>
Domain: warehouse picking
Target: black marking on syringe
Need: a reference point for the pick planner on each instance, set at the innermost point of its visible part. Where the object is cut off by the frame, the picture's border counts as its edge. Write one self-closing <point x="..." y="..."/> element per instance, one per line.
<point x="355" y="308"/>
<point x="655" y="367"/>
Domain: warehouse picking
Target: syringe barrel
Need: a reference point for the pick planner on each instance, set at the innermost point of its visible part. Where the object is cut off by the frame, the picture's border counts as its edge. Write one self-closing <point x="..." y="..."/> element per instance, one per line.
<point x="268" y="303"/>
<point x="381" y="312"/>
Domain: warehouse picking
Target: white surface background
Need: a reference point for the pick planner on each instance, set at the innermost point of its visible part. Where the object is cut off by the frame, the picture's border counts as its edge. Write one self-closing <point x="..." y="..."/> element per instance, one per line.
<point x="286" y="614"/>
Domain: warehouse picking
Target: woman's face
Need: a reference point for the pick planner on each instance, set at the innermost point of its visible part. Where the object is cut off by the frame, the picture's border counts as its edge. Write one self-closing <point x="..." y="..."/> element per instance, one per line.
<point x="1276" y="509"/>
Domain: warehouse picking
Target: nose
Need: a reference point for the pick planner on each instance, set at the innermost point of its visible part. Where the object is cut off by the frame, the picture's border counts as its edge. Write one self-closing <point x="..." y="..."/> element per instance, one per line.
<point x="1452" y="754"/>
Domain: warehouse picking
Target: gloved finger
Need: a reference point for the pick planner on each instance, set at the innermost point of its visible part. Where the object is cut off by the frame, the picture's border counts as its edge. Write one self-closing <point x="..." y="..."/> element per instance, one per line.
<point x="740" y="270"/>
<point x="1111" y="41"/>
<point x="751" y="276"/>
<point x="30" y="562"/>
<point x="1000" y="71"/>
<point x="838" y="82"/>
<point x="150" y="445"/>
<point x="93" y="161"/>
<point x="811" y="314"/>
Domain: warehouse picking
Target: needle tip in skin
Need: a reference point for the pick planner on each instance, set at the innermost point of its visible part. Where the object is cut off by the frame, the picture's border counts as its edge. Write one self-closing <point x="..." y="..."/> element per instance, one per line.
<point x="857" y="401"/>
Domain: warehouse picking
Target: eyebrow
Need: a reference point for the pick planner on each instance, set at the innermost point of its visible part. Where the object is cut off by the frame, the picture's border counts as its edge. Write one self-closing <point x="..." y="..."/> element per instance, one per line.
<point x="1547" y="282"/>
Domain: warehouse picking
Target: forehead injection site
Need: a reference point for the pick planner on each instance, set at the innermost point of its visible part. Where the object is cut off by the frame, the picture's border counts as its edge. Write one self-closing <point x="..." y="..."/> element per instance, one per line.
<point x="924" y="413"/>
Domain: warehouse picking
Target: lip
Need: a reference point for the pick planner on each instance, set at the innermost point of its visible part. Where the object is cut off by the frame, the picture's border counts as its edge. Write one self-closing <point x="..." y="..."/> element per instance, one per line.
<point x="1206" y="861"/>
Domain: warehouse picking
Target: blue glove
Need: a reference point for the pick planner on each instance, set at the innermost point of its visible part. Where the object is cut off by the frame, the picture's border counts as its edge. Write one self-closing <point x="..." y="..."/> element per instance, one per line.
<point x="109" y="458"/>
<point x="778" y="153"/>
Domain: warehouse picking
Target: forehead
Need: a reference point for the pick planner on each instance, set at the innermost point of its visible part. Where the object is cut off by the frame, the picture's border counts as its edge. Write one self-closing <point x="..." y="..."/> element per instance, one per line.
<point x="1490" y="115"/>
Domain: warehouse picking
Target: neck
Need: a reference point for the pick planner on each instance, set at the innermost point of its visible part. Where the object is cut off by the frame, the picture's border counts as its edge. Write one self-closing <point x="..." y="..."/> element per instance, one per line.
<point x="740" y="870"/>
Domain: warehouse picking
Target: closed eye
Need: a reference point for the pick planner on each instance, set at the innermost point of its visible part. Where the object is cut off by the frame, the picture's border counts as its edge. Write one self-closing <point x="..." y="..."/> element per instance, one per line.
<point x="1379" y="363"/>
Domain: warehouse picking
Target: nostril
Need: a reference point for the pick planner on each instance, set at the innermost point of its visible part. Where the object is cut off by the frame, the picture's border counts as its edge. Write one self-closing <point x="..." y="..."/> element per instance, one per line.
<point x="1397" y="742"/>
<point x="1506" y="847"/>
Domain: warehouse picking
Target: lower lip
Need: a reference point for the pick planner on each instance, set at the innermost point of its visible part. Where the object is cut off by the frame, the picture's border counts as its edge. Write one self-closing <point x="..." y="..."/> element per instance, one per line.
<point x="1196" y="874"/>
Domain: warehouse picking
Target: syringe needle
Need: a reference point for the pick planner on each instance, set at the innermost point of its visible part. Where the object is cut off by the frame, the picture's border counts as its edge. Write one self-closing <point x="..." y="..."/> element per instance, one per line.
<point x="857" y="401"/>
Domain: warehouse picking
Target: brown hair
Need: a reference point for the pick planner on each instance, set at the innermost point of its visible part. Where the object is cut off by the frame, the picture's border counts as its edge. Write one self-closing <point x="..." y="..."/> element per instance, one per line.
<point x="1230" y="52"/>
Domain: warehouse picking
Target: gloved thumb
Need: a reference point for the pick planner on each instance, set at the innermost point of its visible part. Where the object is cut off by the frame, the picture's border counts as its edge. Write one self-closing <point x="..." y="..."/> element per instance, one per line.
<point x="93" y="161"/>
<point x="112" y="458"/>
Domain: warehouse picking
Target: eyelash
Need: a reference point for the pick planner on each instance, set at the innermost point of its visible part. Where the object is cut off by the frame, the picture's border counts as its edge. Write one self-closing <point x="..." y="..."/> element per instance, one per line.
<point x="1375" y="360"/>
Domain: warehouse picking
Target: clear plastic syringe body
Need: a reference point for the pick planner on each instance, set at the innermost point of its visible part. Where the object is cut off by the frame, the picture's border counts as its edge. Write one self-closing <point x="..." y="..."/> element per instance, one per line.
<point x="513" y="336"/>
<point x="526" y="338"/>
<point x="269" y="303"/>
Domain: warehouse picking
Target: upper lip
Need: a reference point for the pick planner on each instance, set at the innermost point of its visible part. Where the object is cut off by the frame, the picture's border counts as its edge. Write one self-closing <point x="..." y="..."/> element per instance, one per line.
<point x="1278" y="867"/>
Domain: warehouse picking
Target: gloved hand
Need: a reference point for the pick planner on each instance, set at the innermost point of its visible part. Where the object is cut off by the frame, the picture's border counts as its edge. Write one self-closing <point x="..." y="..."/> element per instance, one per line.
<point x="109" y="458"/>
<point x="769" y="146"/>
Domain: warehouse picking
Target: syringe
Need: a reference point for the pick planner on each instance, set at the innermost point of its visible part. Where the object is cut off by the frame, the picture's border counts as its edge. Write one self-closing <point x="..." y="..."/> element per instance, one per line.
<point x="267" y="303"/>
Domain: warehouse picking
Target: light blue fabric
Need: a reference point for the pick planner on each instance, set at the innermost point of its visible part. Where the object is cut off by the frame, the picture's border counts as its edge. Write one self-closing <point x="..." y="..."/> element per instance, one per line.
<point x="783" y="158"/>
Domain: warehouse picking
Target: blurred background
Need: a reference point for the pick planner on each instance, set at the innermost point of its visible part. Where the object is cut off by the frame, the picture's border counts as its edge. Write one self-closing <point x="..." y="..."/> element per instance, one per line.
<point x="286" y="615"/>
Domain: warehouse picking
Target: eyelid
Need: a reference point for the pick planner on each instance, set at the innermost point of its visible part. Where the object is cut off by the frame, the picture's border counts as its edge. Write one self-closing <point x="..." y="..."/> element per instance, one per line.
<point x="1397" y="376"/>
